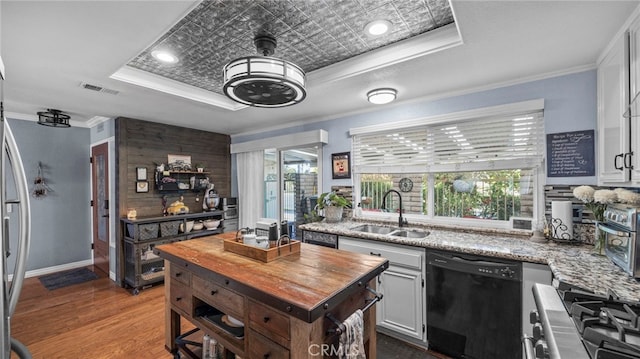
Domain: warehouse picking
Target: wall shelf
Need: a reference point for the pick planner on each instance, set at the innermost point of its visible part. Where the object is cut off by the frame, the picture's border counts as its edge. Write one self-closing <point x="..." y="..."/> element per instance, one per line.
<point x="181" y="181"/>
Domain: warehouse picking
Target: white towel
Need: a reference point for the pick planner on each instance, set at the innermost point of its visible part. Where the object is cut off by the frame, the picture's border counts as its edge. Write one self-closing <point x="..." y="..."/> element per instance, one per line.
<point x="351" y="339"/>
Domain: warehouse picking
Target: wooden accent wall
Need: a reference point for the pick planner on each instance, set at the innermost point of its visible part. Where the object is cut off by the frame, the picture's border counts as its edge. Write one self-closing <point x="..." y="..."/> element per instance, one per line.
<point x="145" y="144"/>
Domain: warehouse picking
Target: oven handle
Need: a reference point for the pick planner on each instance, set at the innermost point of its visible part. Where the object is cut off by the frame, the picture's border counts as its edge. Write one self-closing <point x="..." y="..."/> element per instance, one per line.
<point x="613" y="231"/>
<point x="527" y="344"/>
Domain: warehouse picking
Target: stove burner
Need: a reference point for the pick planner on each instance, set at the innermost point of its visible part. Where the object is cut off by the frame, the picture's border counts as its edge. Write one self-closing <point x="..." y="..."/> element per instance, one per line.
<point x="610" y="328"/>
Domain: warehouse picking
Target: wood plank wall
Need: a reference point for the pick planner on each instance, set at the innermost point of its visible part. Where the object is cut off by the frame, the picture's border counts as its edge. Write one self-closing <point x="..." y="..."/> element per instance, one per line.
<point x="145" y="144"/>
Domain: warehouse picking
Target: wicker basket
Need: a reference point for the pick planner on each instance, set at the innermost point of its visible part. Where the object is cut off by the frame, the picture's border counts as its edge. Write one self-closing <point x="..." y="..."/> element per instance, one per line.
<point x="148" y="231"/>
<point x="169" y="228"/>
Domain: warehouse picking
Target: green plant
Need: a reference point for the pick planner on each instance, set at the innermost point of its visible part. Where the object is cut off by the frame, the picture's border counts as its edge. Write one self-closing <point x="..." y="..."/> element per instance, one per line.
<point x="328" y="199"/>
<point x="312" y="217"/>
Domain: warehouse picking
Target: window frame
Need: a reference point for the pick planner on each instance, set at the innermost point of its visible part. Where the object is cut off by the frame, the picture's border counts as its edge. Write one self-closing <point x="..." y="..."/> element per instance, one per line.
<point x="534" y="163"/>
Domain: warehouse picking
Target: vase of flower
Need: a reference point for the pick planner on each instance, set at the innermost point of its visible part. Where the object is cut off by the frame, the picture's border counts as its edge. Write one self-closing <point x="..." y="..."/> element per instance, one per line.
<point x="600" y="237"/>
<point x="596" y="201"/>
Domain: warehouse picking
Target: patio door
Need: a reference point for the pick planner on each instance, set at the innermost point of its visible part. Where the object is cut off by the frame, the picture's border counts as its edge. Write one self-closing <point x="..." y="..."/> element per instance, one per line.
<point x="291" y="184"/>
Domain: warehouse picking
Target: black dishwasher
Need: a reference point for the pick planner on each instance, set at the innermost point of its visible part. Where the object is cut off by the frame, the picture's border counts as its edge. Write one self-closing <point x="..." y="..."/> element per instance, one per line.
<point x="474" y="306"/>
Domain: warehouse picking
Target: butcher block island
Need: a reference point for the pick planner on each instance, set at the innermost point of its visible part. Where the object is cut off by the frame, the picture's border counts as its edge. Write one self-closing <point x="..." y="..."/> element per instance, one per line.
<point x="290" y="307"/>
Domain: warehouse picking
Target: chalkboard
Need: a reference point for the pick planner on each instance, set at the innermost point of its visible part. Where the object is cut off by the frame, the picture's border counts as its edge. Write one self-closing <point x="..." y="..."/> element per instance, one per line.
<point x="571" y="154"/>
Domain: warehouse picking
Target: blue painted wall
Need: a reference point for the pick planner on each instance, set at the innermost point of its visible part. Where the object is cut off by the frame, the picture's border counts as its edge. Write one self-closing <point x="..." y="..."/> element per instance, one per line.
<point x="570" y="104"/>
<point x="61" y="224"/>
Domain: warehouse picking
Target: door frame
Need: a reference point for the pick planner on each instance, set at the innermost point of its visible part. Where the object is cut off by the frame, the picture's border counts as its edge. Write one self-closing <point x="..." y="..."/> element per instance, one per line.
<point x="112" y="203"/>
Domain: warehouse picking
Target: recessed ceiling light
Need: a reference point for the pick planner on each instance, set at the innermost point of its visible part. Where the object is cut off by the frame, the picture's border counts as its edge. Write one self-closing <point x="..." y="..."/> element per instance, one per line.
<point x="377" y="27"/>
<point x="164" y="56"/>
<point x="381" y="96"/>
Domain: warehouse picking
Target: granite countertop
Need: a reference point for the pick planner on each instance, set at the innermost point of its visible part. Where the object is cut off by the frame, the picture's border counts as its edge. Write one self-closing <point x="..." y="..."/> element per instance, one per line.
<point x="576" y="265"/>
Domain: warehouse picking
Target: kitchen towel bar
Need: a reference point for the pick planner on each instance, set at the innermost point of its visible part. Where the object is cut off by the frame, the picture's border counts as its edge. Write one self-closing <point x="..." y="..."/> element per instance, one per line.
<point x="339" y="325"/>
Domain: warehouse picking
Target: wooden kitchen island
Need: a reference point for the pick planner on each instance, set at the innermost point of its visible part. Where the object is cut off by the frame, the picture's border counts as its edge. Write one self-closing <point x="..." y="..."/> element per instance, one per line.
<point x="290" y="306"/>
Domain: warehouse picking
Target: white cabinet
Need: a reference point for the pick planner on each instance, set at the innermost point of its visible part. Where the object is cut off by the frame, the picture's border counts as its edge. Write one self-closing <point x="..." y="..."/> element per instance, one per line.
<point x="618" y="121"/>
<point x="614" y="139"/>
<point x="634" y="95"/>
<point x="402" y="309"/>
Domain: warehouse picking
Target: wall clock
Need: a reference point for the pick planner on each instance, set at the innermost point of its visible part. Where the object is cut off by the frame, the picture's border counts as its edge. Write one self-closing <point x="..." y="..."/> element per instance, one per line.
<point x="406" y="184"/>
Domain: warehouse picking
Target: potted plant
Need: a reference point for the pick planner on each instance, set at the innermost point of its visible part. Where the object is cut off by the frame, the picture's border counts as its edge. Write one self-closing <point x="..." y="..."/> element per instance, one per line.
<point x="199" y="167"/>
<point x="332" y="206"/>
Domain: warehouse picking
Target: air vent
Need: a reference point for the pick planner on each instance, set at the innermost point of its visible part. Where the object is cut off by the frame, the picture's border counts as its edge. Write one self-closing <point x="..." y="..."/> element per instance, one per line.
<point x="98" y="88"/>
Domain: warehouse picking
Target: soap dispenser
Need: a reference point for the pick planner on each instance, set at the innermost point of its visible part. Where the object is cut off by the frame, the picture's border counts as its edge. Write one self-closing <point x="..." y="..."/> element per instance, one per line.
<point x="358" y="211"/>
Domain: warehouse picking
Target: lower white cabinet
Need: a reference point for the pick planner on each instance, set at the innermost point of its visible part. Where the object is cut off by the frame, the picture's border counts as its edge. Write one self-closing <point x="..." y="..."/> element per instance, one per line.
<point x="402" y="309"/>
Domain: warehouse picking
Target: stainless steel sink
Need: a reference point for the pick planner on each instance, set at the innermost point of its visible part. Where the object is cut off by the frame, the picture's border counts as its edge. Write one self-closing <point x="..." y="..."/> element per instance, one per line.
<point x="410" y="233"/>
<point x="371" y="228"/>
<point x="392" y="231"/>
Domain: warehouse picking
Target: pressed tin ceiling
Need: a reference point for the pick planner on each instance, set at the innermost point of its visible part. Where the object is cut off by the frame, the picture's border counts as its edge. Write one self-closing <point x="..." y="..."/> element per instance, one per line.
<point x="313" y="34"/>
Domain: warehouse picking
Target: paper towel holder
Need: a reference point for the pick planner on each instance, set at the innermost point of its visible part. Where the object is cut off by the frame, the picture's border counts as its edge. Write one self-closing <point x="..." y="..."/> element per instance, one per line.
<point x="556" y="226"/>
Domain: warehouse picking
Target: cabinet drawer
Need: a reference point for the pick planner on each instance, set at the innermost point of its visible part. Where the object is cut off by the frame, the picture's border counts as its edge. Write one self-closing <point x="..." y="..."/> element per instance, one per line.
<point x="268" y="321"/>
<point x="221" y="298"/>
<point x="406" y="256"/>
<point x="261" y="347"/>
<point x="181" y="275"/>
<point x="181" y="297"/>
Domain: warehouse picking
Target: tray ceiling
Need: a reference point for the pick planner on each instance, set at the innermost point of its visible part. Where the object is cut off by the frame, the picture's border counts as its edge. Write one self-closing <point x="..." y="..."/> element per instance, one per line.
<point x="311" y="34"/>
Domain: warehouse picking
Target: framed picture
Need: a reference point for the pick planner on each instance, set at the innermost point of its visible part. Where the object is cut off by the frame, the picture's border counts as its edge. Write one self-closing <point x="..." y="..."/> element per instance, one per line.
<point x="141" y="173"/>
<point x="179" y="163"/>
<point x="341" y="165"/>
<point x="142" y="186"/>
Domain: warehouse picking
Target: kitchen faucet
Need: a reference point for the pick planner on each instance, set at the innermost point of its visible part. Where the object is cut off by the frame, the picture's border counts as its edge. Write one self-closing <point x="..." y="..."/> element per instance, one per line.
<point x="401" y="221"/>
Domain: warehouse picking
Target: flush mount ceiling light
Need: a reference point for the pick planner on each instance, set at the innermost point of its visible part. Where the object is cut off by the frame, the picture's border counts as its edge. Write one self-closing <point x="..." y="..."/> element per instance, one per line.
<point x="381" y="96"/>
<point x="264" y="81"/>
<point x="377" y="27"/>
<point x="53" y="118"/>
<point x="164" y="56"/>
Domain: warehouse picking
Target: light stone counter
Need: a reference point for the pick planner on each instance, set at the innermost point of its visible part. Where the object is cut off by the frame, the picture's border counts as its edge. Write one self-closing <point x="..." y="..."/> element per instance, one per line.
<point x="576" y="265"/>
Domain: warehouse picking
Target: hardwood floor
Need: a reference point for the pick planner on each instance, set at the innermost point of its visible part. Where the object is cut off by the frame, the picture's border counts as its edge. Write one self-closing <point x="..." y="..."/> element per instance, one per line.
<point x="98" y="319"/>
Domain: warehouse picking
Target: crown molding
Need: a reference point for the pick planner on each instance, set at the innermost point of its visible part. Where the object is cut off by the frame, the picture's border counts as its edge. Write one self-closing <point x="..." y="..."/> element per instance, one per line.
<point x="146" y="79"/>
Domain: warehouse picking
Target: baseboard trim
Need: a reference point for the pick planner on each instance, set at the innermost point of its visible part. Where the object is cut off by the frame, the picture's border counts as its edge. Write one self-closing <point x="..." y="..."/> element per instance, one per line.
<point x="59" y="268"/>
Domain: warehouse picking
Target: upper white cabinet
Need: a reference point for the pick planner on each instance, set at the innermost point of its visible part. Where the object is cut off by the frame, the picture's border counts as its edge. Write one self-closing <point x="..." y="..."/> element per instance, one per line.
<point x="614" y="147"/>
<point x="618" y="121"/>
<point x="634" y="86"/>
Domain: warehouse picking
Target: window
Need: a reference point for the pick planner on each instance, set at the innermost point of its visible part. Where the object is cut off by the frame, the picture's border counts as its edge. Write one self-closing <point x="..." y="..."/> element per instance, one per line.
<point x="494" y="195"/>
<point x="466" y="167"/>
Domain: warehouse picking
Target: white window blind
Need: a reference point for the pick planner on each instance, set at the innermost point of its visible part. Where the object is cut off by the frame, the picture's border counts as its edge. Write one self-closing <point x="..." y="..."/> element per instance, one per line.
<point x="443" y="146"/>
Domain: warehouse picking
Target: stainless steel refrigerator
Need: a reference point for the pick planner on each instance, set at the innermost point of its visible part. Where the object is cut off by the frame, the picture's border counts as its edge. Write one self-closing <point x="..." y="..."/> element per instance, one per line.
<point x="10" y="200"/>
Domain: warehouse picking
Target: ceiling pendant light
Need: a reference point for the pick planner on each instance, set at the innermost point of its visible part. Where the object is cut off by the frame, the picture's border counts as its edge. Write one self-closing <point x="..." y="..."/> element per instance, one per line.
<point x="381" y="96"/>
<point x="53" y="118"/>
<point x="264" y="81"/>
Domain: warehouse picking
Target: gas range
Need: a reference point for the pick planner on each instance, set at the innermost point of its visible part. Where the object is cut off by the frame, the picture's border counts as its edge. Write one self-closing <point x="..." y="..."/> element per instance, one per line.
<point x="571" y="323"/>
<point x="610" y="327"/>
